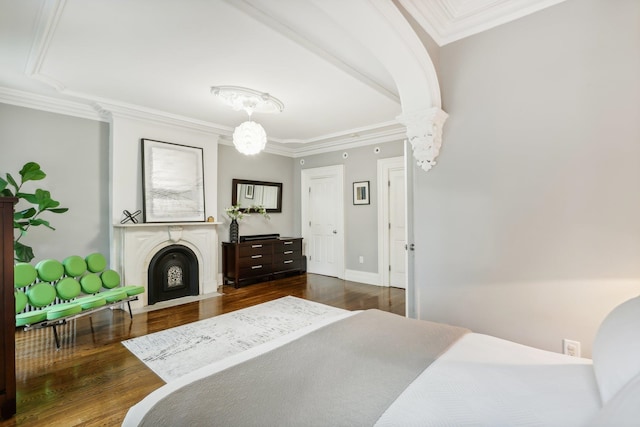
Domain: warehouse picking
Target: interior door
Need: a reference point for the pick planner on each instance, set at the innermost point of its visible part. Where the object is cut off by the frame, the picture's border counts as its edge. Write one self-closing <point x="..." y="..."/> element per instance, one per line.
<point x="322" y="220"/>
<point x="397" y="229"/>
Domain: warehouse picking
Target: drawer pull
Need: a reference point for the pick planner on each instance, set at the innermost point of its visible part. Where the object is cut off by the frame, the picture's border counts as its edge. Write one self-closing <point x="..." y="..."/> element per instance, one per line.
<point x="288" y="252"/>
<point x="289" y="261"/>
<point x="288" y="243"/>
<point x="256" y="246"/>
<point x="256" y="256"/>
<point x="255" y="267"/>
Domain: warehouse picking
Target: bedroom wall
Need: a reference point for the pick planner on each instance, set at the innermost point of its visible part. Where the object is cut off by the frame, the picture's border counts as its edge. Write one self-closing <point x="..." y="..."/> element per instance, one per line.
<point x="262" y="167"/>
<point x="529" y="226"/>
<point x="73" y="152"/>
<point x="361" y="221"/>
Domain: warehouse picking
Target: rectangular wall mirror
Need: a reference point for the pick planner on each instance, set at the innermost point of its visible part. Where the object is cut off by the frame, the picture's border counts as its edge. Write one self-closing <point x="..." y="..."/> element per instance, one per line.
<point x="248" y="193"/>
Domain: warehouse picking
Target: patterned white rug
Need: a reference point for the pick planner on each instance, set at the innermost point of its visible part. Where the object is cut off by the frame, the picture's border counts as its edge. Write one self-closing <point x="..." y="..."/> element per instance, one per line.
<point x="177" y="351"/>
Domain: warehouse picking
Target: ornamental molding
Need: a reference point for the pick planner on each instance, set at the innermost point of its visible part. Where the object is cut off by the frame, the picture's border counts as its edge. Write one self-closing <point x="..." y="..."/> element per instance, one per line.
<point x="424" y="132"/>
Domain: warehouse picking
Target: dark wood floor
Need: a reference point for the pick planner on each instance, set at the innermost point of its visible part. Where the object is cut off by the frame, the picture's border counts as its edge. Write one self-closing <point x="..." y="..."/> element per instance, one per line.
<point x="93" y="379"/>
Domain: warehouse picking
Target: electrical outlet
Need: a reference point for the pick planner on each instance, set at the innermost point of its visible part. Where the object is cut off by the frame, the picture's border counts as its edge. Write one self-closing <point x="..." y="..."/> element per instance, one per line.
<point x="361" y="259"/>
<point x="571" y="348"/>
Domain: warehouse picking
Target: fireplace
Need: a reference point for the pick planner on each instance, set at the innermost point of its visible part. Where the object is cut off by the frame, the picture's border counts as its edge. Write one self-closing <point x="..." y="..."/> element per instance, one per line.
<point x="188" y="252"/>
<point x="173" y="273"/>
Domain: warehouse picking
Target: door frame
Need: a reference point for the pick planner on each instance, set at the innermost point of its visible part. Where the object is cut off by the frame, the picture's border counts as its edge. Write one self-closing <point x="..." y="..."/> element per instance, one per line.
<point x="384" y="166"/>
<point x="306" y="175"/>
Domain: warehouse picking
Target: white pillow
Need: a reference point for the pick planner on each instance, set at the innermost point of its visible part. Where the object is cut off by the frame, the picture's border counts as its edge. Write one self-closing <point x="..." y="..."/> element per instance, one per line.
<point x="616" y="349"/>
<point x="623" y="410"/>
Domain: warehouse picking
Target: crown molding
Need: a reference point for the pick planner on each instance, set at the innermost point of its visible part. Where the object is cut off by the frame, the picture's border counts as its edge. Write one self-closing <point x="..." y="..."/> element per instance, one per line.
<point x="47" y="103"/>
<point x="105" y="110"/>
<point x="46" y="24"/>
<point x="252" y="9"/>
<point x="447" y="21"/>
<point x="110" y="108"/>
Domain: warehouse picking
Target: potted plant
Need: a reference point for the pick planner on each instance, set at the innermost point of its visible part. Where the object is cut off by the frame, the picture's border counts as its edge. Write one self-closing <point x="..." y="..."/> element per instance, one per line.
<point x="28" y="217"/>
<point x="237" y="213"/>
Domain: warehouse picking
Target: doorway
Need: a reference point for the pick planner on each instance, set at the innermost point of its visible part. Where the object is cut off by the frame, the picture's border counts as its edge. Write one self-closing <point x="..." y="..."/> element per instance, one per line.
<point x="323" y="219"/>
<point x="392" y="253"/>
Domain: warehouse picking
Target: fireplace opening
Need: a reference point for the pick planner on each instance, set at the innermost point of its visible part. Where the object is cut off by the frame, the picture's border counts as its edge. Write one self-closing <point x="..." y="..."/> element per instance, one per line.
<point x="173" y="273"/>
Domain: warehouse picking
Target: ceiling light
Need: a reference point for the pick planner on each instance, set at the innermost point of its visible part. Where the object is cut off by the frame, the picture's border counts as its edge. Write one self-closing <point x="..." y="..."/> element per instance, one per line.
<point x="249" y="137"/>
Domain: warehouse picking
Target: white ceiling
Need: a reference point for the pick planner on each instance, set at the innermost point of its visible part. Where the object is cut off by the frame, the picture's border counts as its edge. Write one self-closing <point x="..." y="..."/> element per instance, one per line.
<point x="162" y="56"/>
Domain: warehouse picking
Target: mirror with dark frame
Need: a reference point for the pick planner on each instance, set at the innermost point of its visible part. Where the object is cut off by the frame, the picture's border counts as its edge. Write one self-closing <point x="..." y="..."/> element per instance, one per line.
<point x="249" y="193"/>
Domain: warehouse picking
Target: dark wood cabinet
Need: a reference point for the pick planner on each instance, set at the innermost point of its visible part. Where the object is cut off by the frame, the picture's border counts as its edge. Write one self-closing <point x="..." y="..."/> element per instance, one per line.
<point x="7" y="301"/>
<point x="260" y="260"/>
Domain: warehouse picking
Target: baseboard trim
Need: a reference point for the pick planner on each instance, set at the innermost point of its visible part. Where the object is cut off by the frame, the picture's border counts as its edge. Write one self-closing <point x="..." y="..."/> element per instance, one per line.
<point x="363" y="277"/>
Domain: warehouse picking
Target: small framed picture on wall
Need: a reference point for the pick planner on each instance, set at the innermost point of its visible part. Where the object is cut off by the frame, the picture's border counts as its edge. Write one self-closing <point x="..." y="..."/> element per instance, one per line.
<point x="361" y="193"/>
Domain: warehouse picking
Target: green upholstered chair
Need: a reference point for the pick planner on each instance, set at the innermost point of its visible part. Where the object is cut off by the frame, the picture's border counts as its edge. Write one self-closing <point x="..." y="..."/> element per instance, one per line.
<point x="51" y="292"/>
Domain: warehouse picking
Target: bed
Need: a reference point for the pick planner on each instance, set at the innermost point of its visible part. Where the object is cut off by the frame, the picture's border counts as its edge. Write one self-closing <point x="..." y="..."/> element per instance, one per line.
<point x="375" y="368"/>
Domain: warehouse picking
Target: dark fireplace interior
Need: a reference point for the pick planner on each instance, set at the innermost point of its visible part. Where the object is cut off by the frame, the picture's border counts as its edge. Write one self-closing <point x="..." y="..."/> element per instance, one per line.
<point x="173" y="273"/>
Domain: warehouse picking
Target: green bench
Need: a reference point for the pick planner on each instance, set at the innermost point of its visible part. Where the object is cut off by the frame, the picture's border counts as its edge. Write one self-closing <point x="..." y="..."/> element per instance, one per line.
<point x="51" y="293"/>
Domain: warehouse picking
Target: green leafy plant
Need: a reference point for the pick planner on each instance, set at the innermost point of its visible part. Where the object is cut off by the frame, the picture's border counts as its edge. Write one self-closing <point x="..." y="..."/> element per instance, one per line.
<point x="237" y="212"/>
<point x="29" y="217"/>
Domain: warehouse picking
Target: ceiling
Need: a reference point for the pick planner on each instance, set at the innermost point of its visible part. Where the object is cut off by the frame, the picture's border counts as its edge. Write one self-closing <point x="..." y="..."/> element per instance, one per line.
<point x="162" y="56"/>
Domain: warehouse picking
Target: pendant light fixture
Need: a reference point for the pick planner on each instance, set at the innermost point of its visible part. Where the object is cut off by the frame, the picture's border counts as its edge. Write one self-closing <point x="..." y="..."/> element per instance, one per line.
<point x="249" y="137"/>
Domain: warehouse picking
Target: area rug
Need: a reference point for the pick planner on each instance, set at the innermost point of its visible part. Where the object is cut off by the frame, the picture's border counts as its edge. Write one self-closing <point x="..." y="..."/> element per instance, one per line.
<point x="177" y="351"/>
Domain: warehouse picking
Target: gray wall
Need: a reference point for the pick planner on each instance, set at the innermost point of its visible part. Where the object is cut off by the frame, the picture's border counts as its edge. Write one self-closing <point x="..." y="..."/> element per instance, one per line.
<point x="261" y="167"/>
<point x="73" y="152"/>
<point x="361" y="221"/>
<point x="529" y="226"/>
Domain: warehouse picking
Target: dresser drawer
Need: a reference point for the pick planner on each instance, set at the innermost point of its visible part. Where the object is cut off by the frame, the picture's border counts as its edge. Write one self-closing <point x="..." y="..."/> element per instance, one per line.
<point x="249" y="249"/>
<point x="284" y="263"/>
<point x="287" y="245"/>
<point x="254" y="270"/>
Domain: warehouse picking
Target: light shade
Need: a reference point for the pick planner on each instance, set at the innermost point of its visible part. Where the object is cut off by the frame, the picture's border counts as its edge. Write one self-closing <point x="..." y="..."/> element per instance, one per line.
<point x="249" y="138"/>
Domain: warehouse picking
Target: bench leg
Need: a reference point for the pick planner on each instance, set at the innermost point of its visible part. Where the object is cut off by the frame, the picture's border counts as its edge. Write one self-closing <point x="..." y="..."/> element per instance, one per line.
<point x="129" y="305"/>
<point x="55" y="335"/>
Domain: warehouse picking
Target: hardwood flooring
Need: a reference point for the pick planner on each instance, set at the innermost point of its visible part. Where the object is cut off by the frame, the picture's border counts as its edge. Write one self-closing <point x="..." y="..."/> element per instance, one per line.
<point x="93" y="379"/>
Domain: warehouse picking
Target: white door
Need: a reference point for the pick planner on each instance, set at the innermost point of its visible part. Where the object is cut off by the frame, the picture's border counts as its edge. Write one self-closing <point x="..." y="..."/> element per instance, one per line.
<point x="397" y="229"/>
<point x="323" y="219"/>
<point x="392" y="254"/>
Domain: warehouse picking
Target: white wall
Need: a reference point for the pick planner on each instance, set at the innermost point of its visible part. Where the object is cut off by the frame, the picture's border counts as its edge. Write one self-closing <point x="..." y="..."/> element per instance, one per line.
<point x="126" y="161"/>
<point x="529" y="226"/>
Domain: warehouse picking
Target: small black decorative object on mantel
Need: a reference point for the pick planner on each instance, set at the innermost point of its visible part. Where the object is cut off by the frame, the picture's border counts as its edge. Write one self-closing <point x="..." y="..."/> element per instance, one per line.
<point x="233" y="231"/>
<point x="128" y="216"/>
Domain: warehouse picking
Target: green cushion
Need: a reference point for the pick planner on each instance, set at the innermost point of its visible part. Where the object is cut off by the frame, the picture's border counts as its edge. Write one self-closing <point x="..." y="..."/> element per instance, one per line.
<point x="50" y="270"/>
<point x="110" y="279"/>
<point x="132" y="290"/>
<point x="74" y="266"/>
<point x="31" y="317"/>
<point x="62" y="310"/>
<point x="114" y="295"/>
<point x="90" y="283"/>
<point x="68" y="288"/>
<point x="96" y="262"/>
<point x="41" y="294"/>
<point x="90" y="302"/>
<point x="21" y="301"/>
<point x="24" y="274"/>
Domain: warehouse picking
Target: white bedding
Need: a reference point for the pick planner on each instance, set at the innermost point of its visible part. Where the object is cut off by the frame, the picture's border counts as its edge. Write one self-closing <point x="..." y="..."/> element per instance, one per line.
<point x="486" y="381"/>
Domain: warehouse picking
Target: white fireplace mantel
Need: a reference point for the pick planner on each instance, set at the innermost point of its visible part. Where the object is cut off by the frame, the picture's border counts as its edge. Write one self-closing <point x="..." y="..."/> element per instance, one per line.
<point x="136" y="244"/>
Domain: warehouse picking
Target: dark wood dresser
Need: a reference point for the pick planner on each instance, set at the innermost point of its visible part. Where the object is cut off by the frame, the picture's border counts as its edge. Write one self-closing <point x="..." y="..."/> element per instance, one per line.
<point x="7" y="301"/>
<point x="260" y="260"/>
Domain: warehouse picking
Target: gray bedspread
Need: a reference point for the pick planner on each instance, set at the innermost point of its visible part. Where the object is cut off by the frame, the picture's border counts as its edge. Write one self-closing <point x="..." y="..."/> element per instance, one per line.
<point x="344" y="374"/>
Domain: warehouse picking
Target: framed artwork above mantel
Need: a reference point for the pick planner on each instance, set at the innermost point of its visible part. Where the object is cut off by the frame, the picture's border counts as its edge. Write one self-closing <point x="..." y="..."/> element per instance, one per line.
<point x="172" y="182"/>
